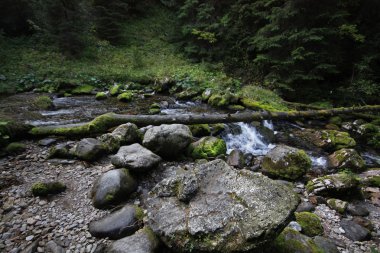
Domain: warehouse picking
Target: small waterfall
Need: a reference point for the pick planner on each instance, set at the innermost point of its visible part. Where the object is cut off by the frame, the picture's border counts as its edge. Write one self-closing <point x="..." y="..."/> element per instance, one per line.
<point x="247" y="139"/>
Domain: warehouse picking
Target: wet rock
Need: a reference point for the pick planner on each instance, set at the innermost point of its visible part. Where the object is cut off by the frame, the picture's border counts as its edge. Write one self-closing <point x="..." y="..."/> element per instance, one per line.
<point x="310" y="223"/>
<point x="112" y="187"/>
<point x="88" y="149"/>
<point x="329" y="140"/>
<point x="127" y="133"/>
<point x="371" y="177"/>
<point x="334" y="185"/>
<point x="143" y="241"/>
<point x="357" y="210"/>
<point x="225" y="209"/>
<point x="168" y="141"/>
<point x="118" y="224"/>
<point x="136" y="158"/>
<point x="338" y="205"/>
<point x="346" y="159"/>
<point x="53" y="247"/>
<point x="47" y="142"/>
<point x="286" y="162"/>
<point x="236" y="159"/>
<point x="354" y="231"/>
<point x="327" y="245"/>
<point x="295" y="225"/>
<point x="267" y="133"/>
<point x="305" y="207"/>
<point x="291" y="240"/>
<point x="207" y="147"/>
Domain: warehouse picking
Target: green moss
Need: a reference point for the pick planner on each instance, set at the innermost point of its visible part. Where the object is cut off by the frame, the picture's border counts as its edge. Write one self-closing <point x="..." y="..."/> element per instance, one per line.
<point x="43" y="102"/>
<point x="374" y="181"/>
<point x="337" y="140"/>
<point x="236" y="107"/>
<point x="322" y="104"/>
<point x="208" y="147"/>
<point x="101" y="96"/>
<point x="374" y="141"/>
<point x="217" y="128"/>
<point x="110" y="197"/>
<point x="155" y="109"/>
<point x="291" y="241"/>
<point x="99" y="125"/>
<point x="310" y="186"/>
<point x="116" y="90"/>
<point x="310" y="223"/>
<point x="15" y="148"/>
<point x="44" y="189"/>
<point x="218" y="100"/>
<point x="83" y="90"/>
<point x="125" y="97"/>
<point x="200" y="130"/>
<point x="139" y="213"/>
<point x="257" y="98"/>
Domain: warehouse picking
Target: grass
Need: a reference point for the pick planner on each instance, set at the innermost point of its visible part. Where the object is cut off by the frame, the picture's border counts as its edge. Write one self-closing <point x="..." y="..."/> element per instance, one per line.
<point x="146" y="54"/>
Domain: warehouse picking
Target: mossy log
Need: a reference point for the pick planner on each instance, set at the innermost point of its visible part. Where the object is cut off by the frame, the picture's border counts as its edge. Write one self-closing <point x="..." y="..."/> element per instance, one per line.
<point x="106" y="121"/>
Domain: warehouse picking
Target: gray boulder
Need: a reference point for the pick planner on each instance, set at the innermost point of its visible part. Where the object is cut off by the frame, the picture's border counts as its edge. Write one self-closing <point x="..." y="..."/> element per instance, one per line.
<point x="88" y="149"/>
<point x="61" y="150"/>
<point x="118" y="224"/>
<point x="236" y="159"/>
<point x="53" y="247"/>
<point x="136" y="158"/>
<point x="168" y="141"/>
<point x="123" y="135"/>
<point x="354" y="231"/>
<point x="286" y="162"/>
<point x="143" y="241"/>
<point x="215" y="208"/>
<point x="112" y="188"/>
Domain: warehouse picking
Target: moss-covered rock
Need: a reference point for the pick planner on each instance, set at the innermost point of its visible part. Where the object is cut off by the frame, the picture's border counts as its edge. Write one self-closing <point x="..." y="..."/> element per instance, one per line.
<point x="260" y="105"/>
<point x="222" y="99"/>
<point x="286" y="162"/>
<point x="292" y="241"/>
<point x="101" y="96"/>
<point x="116" y="89"/>
<point x="310" y="223"/>
<point x="155" y="109"/>
<point x="207" y="94"/>
<point x="347" y="159"/>
<point x="187" y="94"/>
<point x="43" y="103"/>
<point x="200" y="130"/>
<point x="217" y="128"/>
<point x="125" y="97"/>
<point x="236" y="107"/>
<point x="15" y="148"/>
<point x="338" y="205"/>
<point x="329" y="140"/>
<point x="207" y="147"/>
<point x="83" y="90"/>
<point x="43" y="189"/>
<point x="343" y="183"/>
<point x="374" y="141"/>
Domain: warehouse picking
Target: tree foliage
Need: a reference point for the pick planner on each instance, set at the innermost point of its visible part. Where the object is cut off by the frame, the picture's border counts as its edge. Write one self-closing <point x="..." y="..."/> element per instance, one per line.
<point x="314" y="48"/>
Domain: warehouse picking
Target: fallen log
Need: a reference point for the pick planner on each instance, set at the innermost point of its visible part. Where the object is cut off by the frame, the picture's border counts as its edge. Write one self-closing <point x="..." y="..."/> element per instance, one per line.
<point x="106" y="121"/>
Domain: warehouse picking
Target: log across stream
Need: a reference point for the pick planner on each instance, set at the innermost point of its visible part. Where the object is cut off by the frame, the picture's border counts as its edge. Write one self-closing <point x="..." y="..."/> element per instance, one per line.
<point x="109" y="120"/>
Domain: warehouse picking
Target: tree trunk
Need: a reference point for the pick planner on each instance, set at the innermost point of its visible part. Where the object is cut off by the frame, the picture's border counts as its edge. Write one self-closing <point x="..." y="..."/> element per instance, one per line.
<point x="104" y="122"/>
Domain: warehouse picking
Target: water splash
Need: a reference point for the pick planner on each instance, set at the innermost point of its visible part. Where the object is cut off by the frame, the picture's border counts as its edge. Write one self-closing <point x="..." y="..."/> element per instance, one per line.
<point x="320" y="162"/>
<point x="247" y="140"/>
<point x="268" y="124"/>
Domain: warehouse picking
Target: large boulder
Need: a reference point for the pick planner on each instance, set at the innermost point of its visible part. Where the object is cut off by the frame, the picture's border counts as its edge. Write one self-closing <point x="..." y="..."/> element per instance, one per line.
<point x="112" y="188"/>
<point x="123" y="135"/>
<point x="88" y="149"/>
<point x="207" y="147"/>
<point x="329" y="140"/>
<point x="118" y="224"/>
<point x="347" y="159"/>
<point x="168" y="141"/>
<point x="215" y="208"/>
<point x="136" y="158"/>
<point x="334" y="185"/>
<point x="286" y="162"/>
<point x="143" y="241"/>
<point x="354" y="231"/>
